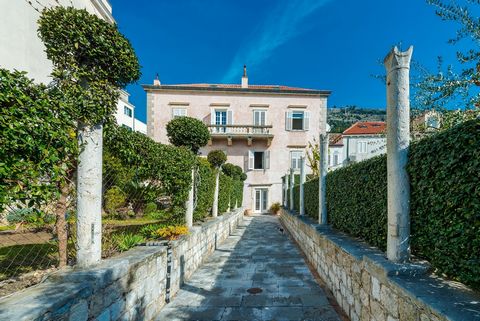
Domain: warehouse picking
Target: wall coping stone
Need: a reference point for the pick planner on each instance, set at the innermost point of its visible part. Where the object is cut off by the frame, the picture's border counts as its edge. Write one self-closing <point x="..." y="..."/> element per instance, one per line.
<point x="450" y="299"/>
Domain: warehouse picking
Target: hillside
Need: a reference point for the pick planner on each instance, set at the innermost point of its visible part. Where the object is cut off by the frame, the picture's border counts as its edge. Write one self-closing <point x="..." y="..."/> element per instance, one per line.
<point x="340" y="118"/>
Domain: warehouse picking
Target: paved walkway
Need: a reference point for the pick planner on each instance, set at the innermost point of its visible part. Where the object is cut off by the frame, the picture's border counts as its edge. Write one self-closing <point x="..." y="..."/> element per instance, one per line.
<point x="256" y="255"/>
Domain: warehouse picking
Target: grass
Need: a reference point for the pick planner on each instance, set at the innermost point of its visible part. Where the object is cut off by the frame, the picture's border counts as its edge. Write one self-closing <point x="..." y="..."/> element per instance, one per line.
<point x="20" y="259"/>
<point x="7" y="228"/>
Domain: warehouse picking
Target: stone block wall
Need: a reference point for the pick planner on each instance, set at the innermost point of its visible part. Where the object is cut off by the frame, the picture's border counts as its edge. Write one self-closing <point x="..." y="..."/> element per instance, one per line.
<point x="130" y="286"/>
<point x="368" y="287"/>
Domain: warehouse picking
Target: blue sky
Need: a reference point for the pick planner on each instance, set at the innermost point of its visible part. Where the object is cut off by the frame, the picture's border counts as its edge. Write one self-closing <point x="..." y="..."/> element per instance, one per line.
<point x="321" y="44"/>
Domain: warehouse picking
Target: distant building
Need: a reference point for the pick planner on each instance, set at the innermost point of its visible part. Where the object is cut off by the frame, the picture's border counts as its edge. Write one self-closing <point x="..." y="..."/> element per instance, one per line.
<point x="364" y="140"/>
<point x="265" y="129"/>
<point x="427" y="121"/>
<point x="125" y="114"/>
<point x="336" y="151"/>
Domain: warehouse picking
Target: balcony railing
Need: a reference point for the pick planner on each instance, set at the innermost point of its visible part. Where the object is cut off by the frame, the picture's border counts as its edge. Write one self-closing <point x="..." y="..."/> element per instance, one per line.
<point x="249" y="132"/>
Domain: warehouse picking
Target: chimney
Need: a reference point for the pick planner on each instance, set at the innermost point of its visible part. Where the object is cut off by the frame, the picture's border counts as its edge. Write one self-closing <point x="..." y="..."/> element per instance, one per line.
<point x="156" y="81"/>
<point x="244" y="78"/>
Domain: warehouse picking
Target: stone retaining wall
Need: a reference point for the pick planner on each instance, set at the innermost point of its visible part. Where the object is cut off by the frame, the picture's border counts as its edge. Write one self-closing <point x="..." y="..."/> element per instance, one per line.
<point x="368" y="287"/>
<point x="130" y="286"/>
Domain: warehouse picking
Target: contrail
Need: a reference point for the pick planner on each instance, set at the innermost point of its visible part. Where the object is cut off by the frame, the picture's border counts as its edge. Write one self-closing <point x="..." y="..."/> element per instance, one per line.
<point x="280" y="26"/>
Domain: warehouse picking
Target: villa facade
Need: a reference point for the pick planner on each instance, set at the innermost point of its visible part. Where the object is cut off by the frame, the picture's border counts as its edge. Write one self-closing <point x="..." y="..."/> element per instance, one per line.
<point x="263" y="129"/>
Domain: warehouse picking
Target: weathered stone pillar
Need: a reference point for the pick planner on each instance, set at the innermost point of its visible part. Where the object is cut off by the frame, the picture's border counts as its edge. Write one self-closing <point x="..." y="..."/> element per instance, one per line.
<point x="215" y="195"/>
<point x="292" y="183"/>
<point x="322" y="186"/>
<point x="190" y="201"/>
<point x="397" y="65"/>
<point x="89" y="195"/>
<point x="285" y="201"/>
<point x="302" y="188"/>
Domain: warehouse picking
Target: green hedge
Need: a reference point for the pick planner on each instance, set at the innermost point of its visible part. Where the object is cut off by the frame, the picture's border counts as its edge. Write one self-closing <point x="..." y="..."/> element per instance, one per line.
<point x="237" y="193"/>
<point x="224" y="193"/>
<point x="445" y="201"/>
<point x="205" y="189"/>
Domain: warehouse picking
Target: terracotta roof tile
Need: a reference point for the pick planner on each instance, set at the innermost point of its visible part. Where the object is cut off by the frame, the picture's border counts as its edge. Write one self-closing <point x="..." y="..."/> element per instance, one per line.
<point x="366" y="128"/>
<point x="335" y="139"/>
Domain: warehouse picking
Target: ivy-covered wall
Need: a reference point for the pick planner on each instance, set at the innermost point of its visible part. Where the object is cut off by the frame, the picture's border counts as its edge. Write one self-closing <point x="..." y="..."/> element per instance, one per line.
<point x="444" y="172"/>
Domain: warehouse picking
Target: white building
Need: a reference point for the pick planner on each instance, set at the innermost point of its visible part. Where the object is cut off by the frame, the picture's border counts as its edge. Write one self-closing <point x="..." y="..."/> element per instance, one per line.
<point x="125" y="114"/>
<point x="336" y="151"/>
<point x="364" y="140"/>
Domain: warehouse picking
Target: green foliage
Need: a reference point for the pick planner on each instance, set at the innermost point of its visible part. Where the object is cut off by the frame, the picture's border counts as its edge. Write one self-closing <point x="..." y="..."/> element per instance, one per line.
<point x="30" y="216"/>
<point x="232" y="170"/>
<point x="114" y="199"/>
<point x="225" y="193"/>
<point x="126" y="241"/>
<point x="216" y="158"/>
<point x="37" y="141"/>
<point x="236" y="197"/>
<point x="150" y="231"/>
<point x="91" y="60"/>
<point x="205" y="189"/>
<point x="445" y="201"/>
<point x="150" y="208"/>
<point x="189" y="132"/>
<point x="311" y="198"/>
<point x="275" y="207"/>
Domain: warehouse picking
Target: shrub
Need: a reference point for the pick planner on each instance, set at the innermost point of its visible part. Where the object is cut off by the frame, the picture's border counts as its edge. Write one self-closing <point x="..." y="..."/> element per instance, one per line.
<point x="275" y="208"/>
<point x="216" y="158"/>
<point x="114" y="199"/>
<point x="232" y="171"/>
<point x="126" y="241"/>
<point x="150" y="231"/>
<point x="150" y="208"/>
<point x="172" y="232"/>
<point x="205" y="189"/>
<point x="237" y="193"/>
<point x="224" y="193"/>
<point x="189" y="132"/>
<point x="158" y="215"/>
<point x="30" y="216"/>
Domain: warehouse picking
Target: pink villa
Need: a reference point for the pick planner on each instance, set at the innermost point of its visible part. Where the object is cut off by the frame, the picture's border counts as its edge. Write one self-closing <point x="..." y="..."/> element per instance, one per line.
<point x="264" y="129"/>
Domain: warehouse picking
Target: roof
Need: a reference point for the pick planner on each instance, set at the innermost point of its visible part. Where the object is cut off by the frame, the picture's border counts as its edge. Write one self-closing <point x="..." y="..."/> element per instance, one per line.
<point x="335" y="140"/>
<point x="238" y="88"/>
<point x="366" y="128"/>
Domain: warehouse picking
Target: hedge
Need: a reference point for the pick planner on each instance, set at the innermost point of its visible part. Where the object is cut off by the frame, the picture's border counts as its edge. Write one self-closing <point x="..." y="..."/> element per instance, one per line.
<point x="205" y="189"/>
<point x="237" y="193"/>
<point x="224" y="193"/>
<point x="444" y="207"/>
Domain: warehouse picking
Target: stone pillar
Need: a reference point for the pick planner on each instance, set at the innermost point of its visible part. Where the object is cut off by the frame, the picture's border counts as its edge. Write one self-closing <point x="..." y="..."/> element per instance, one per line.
<point x="285" y="201"/>
<point x="292" y="183"/>
<point x="215" y="195"/>
<point x="322" y="186"/>
<point x="190" y="201"/>
<point x="89" y="195"/>
<point x="302" y="188"/>
<point x="397" y="66"/>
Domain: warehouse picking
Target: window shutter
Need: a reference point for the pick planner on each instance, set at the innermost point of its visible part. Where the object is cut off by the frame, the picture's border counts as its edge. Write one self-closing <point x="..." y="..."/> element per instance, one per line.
<point x="229" y="117"/>
<point x="212" y="116"/>
<point x="266" y="159"/>
<point x="251" y="160"/>
<point x="306" y="120"/>
<point x="288" y="120"/>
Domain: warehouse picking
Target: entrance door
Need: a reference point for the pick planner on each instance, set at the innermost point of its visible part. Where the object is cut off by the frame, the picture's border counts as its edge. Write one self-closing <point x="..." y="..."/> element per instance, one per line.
<point x="261" y="200"/>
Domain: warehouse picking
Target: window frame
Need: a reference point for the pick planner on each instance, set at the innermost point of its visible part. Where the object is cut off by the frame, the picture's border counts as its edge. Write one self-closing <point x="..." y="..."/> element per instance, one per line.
<point x="129" y="113"/>
<point x="174" y="109"/>
<point x="297" y="160"/>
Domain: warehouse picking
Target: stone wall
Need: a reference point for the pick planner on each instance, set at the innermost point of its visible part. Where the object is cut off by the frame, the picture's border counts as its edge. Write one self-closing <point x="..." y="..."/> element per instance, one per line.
<point x="368" y="287"/>
<point x="130" y="286"/>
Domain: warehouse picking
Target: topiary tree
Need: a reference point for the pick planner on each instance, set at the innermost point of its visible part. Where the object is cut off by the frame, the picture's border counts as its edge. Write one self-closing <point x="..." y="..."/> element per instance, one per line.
<point x="91" y="62"/>
<point x="189" y="132"/>
<point x="216" y="158"/>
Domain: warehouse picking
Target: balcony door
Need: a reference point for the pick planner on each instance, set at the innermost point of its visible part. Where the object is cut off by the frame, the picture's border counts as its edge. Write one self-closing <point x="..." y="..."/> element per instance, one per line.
<point x="261" y="200"/>
<point x="259" y="119"/>
<point x="221" y="120"/>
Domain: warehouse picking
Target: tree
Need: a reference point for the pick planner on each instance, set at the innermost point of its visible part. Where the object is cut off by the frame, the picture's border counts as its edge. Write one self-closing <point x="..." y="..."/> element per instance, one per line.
<point x="189" y="132"/>
<point x="216" y="158"/>
<point x="91" y="62"/>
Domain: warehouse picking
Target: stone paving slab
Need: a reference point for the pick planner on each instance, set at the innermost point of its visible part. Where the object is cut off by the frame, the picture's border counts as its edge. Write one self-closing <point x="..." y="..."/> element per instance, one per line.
<point x="257" y="254"/>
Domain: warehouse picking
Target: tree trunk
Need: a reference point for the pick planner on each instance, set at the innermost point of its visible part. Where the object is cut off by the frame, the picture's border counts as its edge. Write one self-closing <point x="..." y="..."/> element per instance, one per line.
<point x="61" y="225"/>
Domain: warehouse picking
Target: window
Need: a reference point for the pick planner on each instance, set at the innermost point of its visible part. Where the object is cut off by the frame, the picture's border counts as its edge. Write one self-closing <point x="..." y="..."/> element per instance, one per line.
<point x="362" y="147"/>
<point x="179" y="112"/>
<point x="259" y="119"/>
<point x="127" y="111"/>
<point x="222" y="118"/>
<point x="258" y="160"/>
<point x="335" y="158"/>
<point x="298" y="120"/>
<point x="295" y="159"/>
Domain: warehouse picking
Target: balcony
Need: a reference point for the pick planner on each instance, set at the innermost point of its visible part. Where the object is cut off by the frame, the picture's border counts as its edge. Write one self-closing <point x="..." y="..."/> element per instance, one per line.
<point x="237" y="132"/>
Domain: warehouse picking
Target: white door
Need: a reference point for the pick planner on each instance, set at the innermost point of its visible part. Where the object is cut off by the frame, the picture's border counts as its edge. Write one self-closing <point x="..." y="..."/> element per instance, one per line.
<point x="261" y="200"/>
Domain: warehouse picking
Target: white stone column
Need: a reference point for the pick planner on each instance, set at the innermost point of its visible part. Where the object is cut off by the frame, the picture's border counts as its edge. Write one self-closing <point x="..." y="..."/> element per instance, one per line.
<point x="190" y="201"/>
<point x="302" y="187"/>
<point x="285" y="201"/>
<point x="322" y="186"/>
<point x="89" y="195"/>
<point x="397" y="65"/>
<point x="215" y="195"/>
<point x="292" y="183"/>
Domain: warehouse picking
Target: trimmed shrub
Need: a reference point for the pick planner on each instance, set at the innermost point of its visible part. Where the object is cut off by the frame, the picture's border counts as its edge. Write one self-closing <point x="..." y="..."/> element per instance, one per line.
<point x="205" y="189"/>
<point x="189" y="132"/>
<point x="311" y="198"/>
<point x="236" y="198"/>
<point x="216" y="158"/>
<point x="224" y="193"/>
<point x="114" y="199"/>
<point x="150" y="208"/>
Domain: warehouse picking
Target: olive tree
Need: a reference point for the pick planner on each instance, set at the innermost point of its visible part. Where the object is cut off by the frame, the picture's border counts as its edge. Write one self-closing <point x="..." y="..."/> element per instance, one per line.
<point x="216" y="158"/>
<point x="91" y="62"/>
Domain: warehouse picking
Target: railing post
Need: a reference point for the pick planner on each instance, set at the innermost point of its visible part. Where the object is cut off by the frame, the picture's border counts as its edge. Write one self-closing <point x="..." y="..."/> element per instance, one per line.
<point x="397" y="65"/>
<point x="89" y="195"/>
<point x="292" y="183"/>
<point x="322" y="176"/>
<point x="302" y="187"/>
